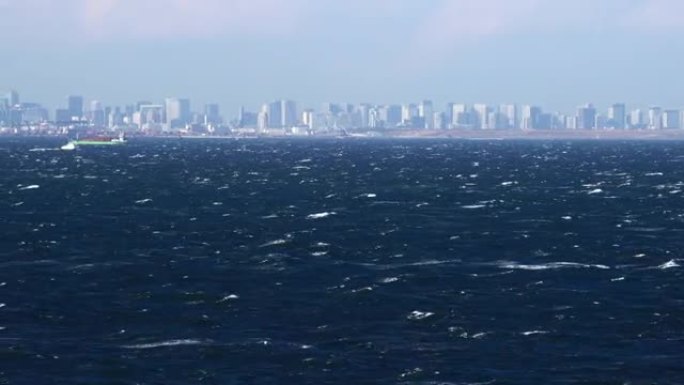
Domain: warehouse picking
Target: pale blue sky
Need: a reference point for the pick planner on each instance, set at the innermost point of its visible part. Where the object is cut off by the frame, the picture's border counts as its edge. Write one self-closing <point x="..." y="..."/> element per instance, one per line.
<point x="558" y="53"/>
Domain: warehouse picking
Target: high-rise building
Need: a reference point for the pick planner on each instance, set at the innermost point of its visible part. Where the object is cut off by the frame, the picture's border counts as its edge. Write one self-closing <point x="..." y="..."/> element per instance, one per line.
<point x="671" y="119"/>
<point x="96" y="114"/>
<point x="274" y="114"/>
<point x="394" y="115"/>
<point x="149" y="116"/>
<point x="481" y="116"/>
<point x="636" y="119"/>
<point x="115" y="118"/>
<point x="510" y="114"/>
<point x="617" y="116"/>
<point x="586" y="117"/>
<point x="12" y="98"/>
<point x="361" y="116"/>
<point x="281" y="114"/>
<point x="331" y="108"/>
<point x="494" y="120"/>
<point x="62" y="116"/>
<point x="308" y="118"/>
<point x="377" y="117"/>
<point x="408" y="113"/>
<point x="15" y="117"/>
<point x="263" y="118"/>
<point x="600" y="121"/>
<point x="75" y="107"/>
<point x="440" y="121"/>
<point x="289" y="113"/>
<point x="530" y="117"/>
<point x="545" y="121"/>
<point x="212" y="114"/>
<point x="460" y="116"/>
<point x="655" y="118"/>
<point x="449" y="114"/>
<point x="32" y="113"/>
<point x="426" y="111"/>
<point x="248" y="119"/>
<point x="178" y="113"/>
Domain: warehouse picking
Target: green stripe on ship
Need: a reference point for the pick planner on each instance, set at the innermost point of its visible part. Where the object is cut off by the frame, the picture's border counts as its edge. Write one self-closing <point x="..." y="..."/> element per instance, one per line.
<point x="97" y="143"/>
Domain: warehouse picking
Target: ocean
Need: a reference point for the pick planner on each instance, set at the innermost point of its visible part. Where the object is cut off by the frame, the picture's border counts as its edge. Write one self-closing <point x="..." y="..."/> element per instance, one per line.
<point x="342" y="261"/>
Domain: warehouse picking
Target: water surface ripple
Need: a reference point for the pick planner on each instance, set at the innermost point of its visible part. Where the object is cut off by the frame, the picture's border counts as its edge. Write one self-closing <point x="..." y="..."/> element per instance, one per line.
<point x="342" y="262"/>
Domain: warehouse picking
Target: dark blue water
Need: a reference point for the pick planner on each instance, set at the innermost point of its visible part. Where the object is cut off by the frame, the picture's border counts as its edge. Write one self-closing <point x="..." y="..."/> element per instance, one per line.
<point x="342" y="262"/>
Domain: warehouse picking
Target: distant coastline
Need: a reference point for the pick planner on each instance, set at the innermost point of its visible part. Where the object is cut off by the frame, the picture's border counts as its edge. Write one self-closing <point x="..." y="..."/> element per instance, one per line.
<point x="674" y="134"/>
<point x="545" y="134"/>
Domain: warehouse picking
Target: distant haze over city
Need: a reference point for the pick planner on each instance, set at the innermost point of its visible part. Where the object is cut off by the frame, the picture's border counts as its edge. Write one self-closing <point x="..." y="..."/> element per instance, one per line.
<point x="176" y="115"/>
<point x="554" y="53"/>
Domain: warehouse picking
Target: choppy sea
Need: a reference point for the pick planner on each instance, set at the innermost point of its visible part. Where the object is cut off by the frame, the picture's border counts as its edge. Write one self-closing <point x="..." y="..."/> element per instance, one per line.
<point x="342" y="262"/>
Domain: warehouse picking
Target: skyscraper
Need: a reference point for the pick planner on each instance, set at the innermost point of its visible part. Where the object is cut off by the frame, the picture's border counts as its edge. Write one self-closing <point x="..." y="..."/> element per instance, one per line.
<point x="308" y="118"/>
<point x="481" y="116"/>
<point x="212" y="114"/>
<point x="671" y="119"/>
<point x="274" y="112"/>
<point x="149" y="116"/>
<point x="408" y="113"/>
<point x="636" y="119"/>
<point x="586" y="117"/>
<point x="530" y="117"/>
<point x="12" y="98"/>
<point x="263" y="118"/>
<point x="177" y="112"/>
<point x="97" y="114"/>
<point x="426" y="111"/>
<point x="510" y="114"/>
<point x="331" y="108"/>
<point x="617" y="116"/>
<point x="75" y="107"/>
<point x="62" y="116"/>
<point x="289" y="113"/>
<point x="460" y="118"/>
<point x="361" y="116"/>
<point x="393" y="115"/>
<point x="655" y="118"/>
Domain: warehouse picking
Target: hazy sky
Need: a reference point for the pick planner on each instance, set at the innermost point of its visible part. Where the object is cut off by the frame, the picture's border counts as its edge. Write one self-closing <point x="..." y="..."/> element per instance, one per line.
<point x="558" y="53"/>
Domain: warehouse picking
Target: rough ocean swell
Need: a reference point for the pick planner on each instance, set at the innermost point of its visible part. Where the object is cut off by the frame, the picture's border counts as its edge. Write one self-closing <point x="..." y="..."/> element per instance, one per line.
<point x="342" y="262"/>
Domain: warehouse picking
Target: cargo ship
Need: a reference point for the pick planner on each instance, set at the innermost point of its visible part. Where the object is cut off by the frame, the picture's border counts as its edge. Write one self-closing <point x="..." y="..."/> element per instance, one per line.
<point x="95" y="141"/>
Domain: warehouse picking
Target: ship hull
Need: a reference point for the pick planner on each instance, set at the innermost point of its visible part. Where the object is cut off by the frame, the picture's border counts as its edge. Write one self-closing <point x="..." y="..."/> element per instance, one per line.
<point x="97" y="143"/>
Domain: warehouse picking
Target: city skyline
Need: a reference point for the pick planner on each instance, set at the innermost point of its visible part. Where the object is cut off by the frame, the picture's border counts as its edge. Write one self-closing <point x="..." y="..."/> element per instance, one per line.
<point x="174" y="114"/>
<point x="68" y="100"/>
<point x="243" y="52"/>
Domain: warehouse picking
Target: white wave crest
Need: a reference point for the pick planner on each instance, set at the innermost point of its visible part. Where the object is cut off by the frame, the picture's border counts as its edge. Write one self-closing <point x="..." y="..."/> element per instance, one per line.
<point x="230" y="297"/>
<point x="534" y="333"/>
<point x="473" y="207"/>
<point x="275" y="243"/>
<point x="419" y="315"/>
<point x="669" y="265"/>
<point x="320" y="215"/>
<point x="166" y="344"/>
<point x="551" y="266"/>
